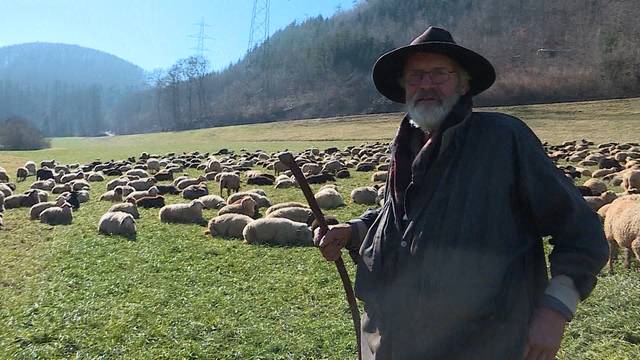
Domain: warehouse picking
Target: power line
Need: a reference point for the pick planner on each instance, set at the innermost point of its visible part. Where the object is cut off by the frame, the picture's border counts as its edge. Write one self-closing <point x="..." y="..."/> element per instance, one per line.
<point x="259" y="31"/>
<point x="201" y="37"/>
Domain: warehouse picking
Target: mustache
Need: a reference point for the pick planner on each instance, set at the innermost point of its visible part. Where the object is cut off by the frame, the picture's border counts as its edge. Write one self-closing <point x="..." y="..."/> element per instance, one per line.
<point x="421" y="94"/>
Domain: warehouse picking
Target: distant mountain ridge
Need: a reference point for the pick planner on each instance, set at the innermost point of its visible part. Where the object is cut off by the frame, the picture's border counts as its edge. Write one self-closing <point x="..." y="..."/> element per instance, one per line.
<point x="43" y="63"/>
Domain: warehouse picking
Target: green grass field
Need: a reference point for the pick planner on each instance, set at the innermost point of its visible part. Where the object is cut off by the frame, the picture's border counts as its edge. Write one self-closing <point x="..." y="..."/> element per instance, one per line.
<point x="174" y="293"/>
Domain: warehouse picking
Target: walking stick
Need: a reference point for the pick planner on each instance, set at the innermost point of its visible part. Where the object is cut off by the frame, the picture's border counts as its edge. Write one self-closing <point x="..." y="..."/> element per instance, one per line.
<point x="289" y="161"/>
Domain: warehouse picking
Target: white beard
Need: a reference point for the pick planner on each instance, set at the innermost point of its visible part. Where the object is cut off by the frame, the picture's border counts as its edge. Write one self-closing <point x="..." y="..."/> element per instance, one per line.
<point x="429" y="118"/>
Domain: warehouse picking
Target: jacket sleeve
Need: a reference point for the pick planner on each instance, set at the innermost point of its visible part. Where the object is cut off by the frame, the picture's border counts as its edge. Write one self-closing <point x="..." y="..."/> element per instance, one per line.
<point x="557" y="209"/>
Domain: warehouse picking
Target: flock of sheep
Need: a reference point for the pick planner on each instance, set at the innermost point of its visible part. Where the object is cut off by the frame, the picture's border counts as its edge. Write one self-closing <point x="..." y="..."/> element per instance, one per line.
<point x="150" y="179"/>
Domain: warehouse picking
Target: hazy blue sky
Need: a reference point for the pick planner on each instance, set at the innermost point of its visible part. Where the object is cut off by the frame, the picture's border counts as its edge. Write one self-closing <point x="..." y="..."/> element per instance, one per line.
<point x="149" y="33"/>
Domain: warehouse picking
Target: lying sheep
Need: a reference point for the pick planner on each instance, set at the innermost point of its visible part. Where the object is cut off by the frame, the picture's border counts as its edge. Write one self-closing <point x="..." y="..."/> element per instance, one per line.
<point x="117" y="182"/>
<point x="151" y="202"/>
<point x="183" y="213"/>
<point x="329" y="198"/>
<point x="229" y="181"/>
<point x="28" y="199"/>
<point x="597" y="186"/>
<point x="213" y="201"/>
<point x="128" y="207"/>
<point x="1" y="202"/>
<point x="112" y="195"/>
<point x="153" y="191"/>
<point x="596" y="202"/>
<point x="246" y="206"/>
<point x="277" y="231"/>
<point x="80" y="184"/>
<point x="364" y="195"/>
<point x="192" y="192"/>
<point x="21" y="174"/>
<point x="31" y="167"/>
<point x="183" y="184"/>
<point x="297" y="214"/>
<point x="379" y="176"/>
<point x="261" y="201"/>
<point x="284" y="205"/>
<point x="631" y="182"/>
<point x="46" y="185"/>
<point x="56" y="215"/>
<point x="117" y="223"/>
<point x="167" y="189"/>
<point x="37" y="209"/>
<point x="228" y="225"/>
<point x="622" y="228"/>
<point x="4" y="177"/>
<point x="5" y="189"/>
<point x="1" y="221"/>
<point x="285" y="184"/>
<point x="142" y="184"/>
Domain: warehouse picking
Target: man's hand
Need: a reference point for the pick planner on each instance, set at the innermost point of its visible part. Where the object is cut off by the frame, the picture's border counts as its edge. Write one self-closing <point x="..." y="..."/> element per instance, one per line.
<point x="333" y="241"/>
<point x="545" y="335"/>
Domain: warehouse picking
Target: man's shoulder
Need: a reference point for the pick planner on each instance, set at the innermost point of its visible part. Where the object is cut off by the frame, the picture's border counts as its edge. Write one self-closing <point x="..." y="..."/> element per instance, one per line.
<point x="501" y="124"/>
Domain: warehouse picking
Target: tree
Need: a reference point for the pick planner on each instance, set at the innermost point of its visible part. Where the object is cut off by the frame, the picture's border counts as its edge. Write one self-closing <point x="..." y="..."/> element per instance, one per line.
<point x="19" y="134"/>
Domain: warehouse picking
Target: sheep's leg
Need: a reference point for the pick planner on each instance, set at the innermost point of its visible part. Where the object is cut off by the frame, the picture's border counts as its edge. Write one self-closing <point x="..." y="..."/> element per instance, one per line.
<point x="613" y="254"/>
<point x="627" y="258"/>
<point x="635" y="245"/>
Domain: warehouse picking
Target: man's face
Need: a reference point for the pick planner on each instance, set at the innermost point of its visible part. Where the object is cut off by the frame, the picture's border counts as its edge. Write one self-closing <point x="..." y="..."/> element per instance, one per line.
<point x="432" y="86"/>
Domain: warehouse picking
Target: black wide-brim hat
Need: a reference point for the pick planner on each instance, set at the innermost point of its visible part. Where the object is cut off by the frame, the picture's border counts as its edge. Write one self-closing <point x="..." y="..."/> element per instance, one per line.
<point x="387" y="70"/>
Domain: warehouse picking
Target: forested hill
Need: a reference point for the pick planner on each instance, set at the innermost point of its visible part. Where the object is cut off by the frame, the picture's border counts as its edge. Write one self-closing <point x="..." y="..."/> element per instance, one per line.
<point x="543" y="50"/>
<point x="64" y="89"/>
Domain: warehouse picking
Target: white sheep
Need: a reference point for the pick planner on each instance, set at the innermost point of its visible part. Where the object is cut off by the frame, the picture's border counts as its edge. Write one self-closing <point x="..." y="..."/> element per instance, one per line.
<point x="364" y="195"/>
<point x="95" y="177"/>
<point x="631" y="182"/>
<point x="228" y="225"/>
<point x="329" y="198"/>
<point x="183" y="213"/>
<point x="117" y="182"/>
<point x="297" y="214"/>
<point x="112" y="195"/>
<point x="284" y="205"/>
<point x="46" y="185"/>
<point x="138" y="172"/>
<point x="152" y="191"/>
<point x="128" y="207"/>
<point x="213" y="201"/>
<point x="153" y="165"/>
<point x="379" y="176"/>
<point x="57" y="215"/>
<point x="596" y="202"/>
<point x="277" y="231"/>
<point x="597" y="186"/>
<point x="185" y="183"/>
<point x="28" y="199"/>
<point x="117" y="223"/>
<point x="622" y="228"/>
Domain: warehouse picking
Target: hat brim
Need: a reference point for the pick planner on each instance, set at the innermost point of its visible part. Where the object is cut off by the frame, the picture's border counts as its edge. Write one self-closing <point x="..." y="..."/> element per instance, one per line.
<point x="387" y="70"/>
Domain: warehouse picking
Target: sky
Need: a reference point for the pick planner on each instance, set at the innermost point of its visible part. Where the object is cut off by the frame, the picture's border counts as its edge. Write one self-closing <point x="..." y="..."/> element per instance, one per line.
<point x="151" y="33"/>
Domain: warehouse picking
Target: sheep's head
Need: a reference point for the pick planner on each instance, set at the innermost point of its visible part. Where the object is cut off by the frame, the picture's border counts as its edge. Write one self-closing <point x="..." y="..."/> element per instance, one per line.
<point x="197" y="204"/>
<point x="248" y="204"/>
<point x="153" y="191"/>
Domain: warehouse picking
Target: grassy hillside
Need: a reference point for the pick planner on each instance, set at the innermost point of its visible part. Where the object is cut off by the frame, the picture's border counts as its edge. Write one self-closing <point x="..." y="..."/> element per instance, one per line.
<point x="174" y="293"/>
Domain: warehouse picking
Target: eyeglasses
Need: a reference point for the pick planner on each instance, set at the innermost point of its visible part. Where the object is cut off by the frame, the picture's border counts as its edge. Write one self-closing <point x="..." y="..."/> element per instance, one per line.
<point x="436" y="77"/>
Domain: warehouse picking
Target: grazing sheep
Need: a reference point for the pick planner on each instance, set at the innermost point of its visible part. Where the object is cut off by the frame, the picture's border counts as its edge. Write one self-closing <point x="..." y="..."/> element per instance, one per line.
<point x="229" y="181"/>
<point x="48" y="163"/>
<point x="228" y="225"/>
<point x="328" y="198"/>
<point x="285" y="205"/>
<point x="31" y="167"/>
<point x="246" y="206"/>
<point x="261" y="201"/>
<point x="277" y="231"/>
<point x="21" y="174"/>
<point x="631" y="182"/>
<point x="28" y="199"/>
<point x="213" y="201"/>
<point x="57" y="215"/>
<point x="192" y="192"/>
<point x="279" y="166"/>
<point x="183" y="213"/>
<point x="297" y="214"/>
<point x="364" y="195"/>
<point x="117" y="223"/>
<point x="142" y="184"/>
<point x="622" y="228"/>
<point x="151" y="202"/>
<point x="128" y="207"/>
<point x="37" y="209"/>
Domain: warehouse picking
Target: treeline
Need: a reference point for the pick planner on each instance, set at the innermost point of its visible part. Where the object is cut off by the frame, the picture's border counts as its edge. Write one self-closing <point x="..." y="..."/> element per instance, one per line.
<point x="544" y="51"/>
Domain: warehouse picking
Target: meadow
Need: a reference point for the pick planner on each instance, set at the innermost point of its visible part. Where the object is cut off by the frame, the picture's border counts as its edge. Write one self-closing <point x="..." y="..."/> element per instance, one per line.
<point x="175" y="293"/>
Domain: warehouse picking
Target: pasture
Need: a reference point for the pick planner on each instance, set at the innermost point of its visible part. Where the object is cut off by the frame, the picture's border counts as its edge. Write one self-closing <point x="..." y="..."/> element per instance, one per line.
<point x="175" y="293"/>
